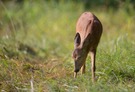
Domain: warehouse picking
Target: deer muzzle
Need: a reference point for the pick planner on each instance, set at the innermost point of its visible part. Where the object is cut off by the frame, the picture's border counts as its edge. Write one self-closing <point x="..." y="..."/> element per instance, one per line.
<point x="75" y="72"/>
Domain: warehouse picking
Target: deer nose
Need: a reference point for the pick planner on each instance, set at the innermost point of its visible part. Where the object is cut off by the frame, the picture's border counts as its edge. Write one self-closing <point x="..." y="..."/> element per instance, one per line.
<point x="76" y="70"/>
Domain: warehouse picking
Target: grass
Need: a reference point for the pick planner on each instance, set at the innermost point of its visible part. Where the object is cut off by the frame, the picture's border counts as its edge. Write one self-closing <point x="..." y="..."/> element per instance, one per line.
<point x="36" y="44"/>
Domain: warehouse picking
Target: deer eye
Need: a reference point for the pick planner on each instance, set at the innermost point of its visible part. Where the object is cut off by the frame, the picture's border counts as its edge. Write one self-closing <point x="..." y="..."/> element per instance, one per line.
<point x="78" y="57"/>
<point x="73" y="55"/>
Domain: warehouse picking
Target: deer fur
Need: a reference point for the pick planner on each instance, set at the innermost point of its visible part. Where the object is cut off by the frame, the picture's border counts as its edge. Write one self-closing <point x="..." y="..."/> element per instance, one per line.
<point x="88" y="33"/>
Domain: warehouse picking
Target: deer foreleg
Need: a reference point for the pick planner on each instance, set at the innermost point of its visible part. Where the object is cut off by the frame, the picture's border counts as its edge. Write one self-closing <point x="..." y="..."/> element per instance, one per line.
<point x="93" y="67"/>
<point x="83" y="69"/>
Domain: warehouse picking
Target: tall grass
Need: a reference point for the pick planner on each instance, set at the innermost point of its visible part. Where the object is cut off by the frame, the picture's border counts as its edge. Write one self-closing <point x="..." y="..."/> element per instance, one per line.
<point x="38" y="55"/>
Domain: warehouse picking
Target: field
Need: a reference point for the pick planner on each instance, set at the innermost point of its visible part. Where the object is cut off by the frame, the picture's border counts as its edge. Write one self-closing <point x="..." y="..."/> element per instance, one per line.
<point x="37" y="41"/>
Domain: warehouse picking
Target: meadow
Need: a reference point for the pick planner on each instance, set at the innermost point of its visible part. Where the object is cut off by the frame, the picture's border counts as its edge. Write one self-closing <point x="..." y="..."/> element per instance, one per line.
<point x="37" y="41"/>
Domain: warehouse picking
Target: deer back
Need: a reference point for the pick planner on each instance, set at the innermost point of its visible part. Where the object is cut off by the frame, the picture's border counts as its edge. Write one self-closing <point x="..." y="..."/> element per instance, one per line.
<point x="89" y="28"/>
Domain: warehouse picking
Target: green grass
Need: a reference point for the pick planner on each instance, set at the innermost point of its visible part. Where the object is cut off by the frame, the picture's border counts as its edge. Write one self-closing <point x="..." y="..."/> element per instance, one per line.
<point x="36" y="44"/>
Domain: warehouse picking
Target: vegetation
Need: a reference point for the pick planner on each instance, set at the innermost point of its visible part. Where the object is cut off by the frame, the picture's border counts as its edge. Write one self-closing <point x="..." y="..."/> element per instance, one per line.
<point x="36" y="43"/>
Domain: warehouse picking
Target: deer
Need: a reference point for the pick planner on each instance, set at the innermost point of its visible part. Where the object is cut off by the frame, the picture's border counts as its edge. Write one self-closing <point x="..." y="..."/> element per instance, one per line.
<point x="88" y="34"/>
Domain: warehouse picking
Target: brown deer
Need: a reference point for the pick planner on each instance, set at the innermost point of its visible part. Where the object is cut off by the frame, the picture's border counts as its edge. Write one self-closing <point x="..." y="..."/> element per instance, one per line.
<point x="88" y="33"/>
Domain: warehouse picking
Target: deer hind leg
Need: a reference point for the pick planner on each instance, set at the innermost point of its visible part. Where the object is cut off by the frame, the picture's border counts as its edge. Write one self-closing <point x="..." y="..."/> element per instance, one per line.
<point x="93" y="66"/>
<point x="83" y="69"/>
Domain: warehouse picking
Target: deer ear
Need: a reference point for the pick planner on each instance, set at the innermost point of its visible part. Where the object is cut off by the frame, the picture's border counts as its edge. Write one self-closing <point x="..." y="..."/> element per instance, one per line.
<point x="77" y="39"/>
